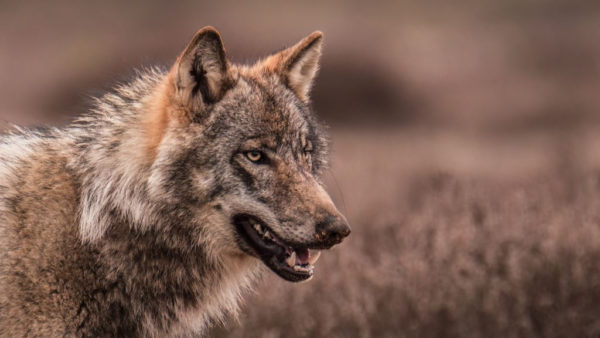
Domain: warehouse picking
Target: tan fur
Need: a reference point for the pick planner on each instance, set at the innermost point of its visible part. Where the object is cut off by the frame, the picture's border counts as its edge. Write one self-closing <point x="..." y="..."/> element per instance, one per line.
<point x="161" y="110"/>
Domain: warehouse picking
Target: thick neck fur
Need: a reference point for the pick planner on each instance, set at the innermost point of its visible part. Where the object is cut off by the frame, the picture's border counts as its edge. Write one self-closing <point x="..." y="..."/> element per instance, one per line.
<point x="113" y="159"/>
<point x="153" y="287"/>
<point x="159" y="281"/>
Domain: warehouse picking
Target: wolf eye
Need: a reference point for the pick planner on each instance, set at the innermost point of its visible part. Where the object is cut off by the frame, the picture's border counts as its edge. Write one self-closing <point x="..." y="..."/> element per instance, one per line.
<point x="255" y="156"/>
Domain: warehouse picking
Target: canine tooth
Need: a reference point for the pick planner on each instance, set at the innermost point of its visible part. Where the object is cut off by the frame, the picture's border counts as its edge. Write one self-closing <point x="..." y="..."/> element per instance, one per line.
<point x="291" y="261"/>
<point x="267" y="235"/>
<point x="314" y="256"/>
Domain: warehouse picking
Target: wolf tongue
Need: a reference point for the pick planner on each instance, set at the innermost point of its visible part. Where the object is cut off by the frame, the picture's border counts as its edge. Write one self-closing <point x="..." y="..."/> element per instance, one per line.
<point x="302" y="256"/>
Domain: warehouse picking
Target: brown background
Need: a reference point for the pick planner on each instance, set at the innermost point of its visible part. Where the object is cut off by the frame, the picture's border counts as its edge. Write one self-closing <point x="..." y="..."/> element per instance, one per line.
<point x="466" y="149"/>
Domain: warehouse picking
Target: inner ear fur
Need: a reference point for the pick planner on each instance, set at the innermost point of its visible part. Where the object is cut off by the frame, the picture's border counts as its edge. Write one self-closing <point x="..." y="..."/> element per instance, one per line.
<point x="201" y="73"/>
<point x="299" y="64"/>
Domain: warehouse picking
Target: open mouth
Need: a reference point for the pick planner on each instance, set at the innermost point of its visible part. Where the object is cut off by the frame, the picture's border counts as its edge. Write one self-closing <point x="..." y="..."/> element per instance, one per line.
<point x="294" y="264"/>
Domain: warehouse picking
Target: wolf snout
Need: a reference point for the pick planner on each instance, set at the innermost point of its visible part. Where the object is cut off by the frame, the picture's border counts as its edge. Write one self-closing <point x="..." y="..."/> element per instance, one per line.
<point x="332" y="230"/>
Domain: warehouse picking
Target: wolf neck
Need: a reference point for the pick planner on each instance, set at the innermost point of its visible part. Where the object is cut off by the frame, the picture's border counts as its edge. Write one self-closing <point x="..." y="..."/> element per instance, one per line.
<point x="113" y="150"/>
<point x="172" y="291"/>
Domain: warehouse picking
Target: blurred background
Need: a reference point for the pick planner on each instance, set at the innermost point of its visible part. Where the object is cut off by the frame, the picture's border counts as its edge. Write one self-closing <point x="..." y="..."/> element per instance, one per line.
<point x="466" y="149"/>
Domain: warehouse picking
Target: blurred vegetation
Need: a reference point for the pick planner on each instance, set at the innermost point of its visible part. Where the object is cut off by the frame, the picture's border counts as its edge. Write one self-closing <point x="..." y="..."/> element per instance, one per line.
<point x="461" y="258"/>
<point x="448" y="247"/>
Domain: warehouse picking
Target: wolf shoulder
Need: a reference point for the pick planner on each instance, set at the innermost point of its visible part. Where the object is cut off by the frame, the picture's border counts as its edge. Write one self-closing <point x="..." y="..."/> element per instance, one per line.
<point x="38" y="185"/>
<point x="38" y="231"/>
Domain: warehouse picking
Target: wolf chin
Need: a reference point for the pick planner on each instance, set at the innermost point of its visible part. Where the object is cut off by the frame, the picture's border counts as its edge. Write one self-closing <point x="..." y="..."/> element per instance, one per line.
<point x="150" y="215"/>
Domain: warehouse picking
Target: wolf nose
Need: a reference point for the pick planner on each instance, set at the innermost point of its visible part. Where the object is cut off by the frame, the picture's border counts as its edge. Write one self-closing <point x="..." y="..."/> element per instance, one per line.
<point x="332" y="230"/>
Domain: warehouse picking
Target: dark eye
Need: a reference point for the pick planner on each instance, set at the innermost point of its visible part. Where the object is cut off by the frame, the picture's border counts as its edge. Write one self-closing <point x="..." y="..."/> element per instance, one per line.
<point x="256" y="156"/>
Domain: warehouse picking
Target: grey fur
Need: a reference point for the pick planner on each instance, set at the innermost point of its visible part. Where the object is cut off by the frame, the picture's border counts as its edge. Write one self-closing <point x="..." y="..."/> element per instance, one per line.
<point x="121" y="224"/>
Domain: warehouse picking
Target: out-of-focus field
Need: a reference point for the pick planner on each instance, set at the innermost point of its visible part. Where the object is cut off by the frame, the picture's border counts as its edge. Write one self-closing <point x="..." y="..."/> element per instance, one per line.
<point x="466" y="149"/>
<point x="452" y="237"/>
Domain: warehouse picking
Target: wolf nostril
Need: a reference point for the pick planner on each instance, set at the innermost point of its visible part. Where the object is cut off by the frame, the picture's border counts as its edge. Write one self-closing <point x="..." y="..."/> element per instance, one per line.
<point x="345" y="231"/>
<point x="332" y="229"/>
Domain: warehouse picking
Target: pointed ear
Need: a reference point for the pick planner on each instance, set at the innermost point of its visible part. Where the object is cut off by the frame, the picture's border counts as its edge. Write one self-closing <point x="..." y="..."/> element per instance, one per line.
<point x="298" y="64"/>
<point x="201" y="73"/>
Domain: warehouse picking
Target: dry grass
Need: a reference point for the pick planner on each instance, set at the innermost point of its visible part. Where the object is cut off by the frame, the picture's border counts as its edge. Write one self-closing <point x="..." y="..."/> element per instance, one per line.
<point x="465" y="254"/>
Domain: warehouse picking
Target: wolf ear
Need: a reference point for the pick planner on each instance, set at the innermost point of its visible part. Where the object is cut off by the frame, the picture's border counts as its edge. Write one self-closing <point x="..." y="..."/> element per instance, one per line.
<point x="299" y="64"/>
<point x="201" y="72"/>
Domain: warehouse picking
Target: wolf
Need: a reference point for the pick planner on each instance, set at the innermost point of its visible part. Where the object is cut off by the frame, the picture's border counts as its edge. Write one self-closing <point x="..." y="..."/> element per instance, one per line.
<point x="152" y="214"/>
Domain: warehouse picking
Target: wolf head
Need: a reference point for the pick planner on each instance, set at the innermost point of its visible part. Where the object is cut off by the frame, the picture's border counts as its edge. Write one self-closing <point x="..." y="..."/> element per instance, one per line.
<point x="232" y="153"/>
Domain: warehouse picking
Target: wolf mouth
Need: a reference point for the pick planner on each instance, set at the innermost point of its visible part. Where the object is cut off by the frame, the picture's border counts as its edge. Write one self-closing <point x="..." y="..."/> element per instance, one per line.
<point x="292" y="263"/>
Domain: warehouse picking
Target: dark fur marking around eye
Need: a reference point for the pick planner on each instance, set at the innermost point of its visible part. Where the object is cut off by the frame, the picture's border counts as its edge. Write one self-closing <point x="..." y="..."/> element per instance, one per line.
<point x="217" y="191"/>
<point x="244" y="175"/>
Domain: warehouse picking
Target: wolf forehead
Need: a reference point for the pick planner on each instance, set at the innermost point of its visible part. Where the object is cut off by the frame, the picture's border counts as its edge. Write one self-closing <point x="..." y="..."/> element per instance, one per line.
<point x="265" y="109"/>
